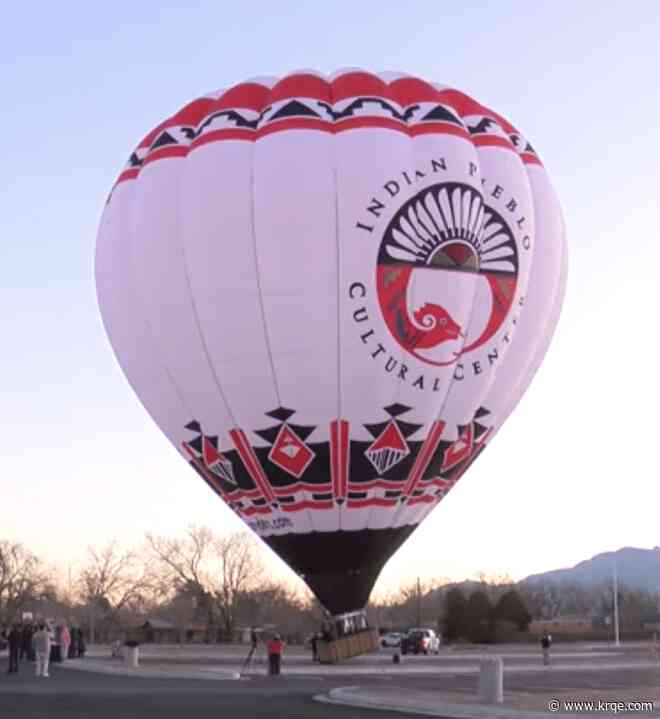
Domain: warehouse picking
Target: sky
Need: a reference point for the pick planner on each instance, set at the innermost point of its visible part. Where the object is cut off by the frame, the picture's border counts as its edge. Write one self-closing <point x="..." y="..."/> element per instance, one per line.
<point x="574" y="472"/>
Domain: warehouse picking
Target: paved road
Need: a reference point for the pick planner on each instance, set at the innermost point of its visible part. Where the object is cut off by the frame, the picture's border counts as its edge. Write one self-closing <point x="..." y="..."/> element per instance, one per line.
<point x="70" y="694"/>
<point x="79" y="695"/>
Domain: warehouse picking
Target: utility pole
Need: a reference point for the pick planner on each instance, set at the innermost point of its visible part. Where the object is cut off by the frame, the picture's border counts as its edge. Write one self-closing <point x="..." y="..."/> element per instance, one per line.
<point x="617" y="643"/>
<point x="419" y="604"/>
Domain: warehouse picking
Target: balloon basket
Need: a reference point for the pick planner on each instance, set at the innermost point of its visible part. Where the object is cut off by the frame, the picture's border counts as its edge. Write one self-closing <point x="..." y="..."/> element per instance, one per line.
<point x="347" y="635"/>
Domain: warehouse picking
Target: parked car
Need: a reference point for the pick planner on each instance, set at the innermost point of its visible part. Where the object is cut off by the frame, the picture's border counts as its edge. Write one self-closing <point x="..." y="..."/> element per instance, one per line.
<point x="420" y="641"/>
<point x="393" y="639"/>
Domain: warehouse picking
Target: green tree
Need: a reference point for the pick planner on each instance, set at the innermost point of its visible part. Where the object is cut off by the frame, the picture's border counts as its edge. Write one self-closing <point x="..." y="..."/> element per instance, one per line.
<point x="511" y="608"/>
<point x="479" y="617"/>
<point x="455" y="614"/>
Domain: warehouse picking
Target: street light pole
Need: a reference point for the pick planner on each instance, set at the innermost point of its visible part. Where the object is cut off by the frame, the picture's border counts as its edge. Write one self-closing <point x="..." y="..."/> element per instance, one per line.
<point x="617" y="643"/>
<point x="419" y="604"/>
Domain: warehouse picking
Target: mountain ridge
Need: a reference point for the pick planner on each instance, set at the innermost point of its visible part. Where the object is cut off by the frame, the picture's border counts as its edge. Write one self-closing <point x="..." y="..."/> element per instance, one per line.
<point x="637" y="568"/>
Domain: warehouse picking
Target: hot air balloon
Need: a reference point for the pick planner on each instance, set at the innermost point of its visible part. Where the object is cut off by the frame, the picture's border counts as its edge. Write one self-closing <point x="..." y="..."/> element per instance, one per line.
<point x="329" y="293"/>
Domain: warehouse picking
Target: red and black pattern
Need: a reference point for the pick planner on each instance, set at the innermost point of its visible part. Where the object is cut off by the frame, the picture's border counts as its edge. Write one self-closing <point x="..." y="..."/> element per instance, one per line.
<point x="225" y="473"/>
<point x="389" y="470"/>
<point x="448" y="461"/>
<point x="379" y="467"/>
<point x="249" y="111"/>
<point x="298" y="470"/>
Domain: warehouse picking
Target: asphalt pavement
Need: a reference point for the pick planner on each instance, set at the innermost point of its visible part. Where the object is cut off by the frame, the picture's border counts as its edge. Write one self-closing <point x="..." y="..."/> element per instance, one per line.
<point x="68" y="694"/>
<point x="175" y="681"/>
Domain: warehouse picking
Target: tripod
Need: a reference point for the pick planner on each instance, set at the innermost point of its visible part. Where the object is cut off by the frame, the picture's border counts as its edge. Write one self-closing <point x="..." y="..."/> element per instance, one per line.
<point x="254" y="656"/>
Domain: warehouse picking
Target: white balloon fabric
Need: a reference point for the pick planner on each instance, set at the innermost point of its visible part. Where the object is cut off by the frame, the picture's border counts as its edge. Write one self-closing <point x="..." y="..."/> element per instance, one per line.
<point x="329" y="293"/>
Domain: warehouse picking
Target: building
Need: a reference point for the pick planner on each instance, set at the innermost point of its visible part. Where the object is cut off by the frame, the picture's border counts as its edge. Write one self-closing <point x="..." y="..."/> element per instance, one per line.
<point x="562" y="624"/>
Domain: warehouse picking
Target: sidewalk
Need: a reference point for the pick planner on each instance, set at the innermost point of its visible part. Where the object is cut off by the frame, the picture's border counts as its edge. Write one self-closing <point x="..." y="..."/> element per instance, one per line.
<point x="440" y="703"/>
<point x="172" y="671"/>
<point x="517" y="705"/>
<point x="150" y="667"/>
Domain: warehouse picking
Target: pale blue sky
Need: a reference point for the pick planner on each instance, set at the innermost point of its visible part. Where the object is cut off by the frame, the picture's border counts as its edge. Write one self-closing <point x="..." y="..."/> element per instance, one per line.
<point x="575" y="471"/>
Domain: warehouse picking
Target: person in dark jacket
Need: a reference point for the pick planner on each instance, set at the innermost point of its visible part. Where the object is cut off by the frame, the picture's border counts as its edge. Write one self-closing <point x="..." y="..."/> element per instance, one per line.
<point x="80" y="645"/>
<point x="27" y="652"/>
<point x="14" y="638"/>
<point x="73" y="634"/>
<point x="546" y="643"/>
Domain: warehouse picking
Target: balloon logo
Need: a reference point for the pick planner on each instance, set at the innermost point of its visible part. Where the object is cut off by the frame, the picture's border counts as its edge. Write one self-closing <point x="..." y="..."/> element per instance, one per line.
<point x="444" y="229"/>
<point x="330" y="293"/>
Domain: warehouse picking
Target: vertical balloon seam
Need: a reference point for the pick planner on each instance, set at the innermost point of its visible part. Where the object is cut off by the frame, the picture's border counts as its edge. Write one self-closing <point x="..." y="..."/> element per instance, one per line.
<point x="516" y="396"/>
<point x="493" y="375"/>
<point x="335" y="178"/>
<point x="253" y="234"/>
<point x="527" y="160"/>
<point x="183" y="169"/>
<point x="403" y="503"/>
<point x="396" y="390"/>
<point x="517" y="312"/>
<point x="148" y="335"/>
<point x="552" y="322"/>
<point x="191" y="295"/>
<point x="434" y="430"/>
<point x="546" y="321"/>
<point x="492" y="380"/>
<point x="549" y="322"/>
<point x="131" y="275"/>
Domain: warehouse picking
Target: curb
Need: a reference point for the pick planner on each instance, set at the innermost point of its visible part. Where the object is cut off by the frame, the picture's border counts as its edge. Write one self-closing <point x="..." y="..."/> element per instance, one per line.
<point x="353" y="696"/>
<point x="204" y="673"/>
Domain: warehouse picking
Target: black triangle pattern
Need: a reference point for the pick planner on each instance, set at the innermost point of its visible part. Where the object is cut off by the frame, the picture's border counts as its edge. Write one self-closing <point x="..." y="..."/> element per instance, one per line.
<point x="196" y="444"/>
<point x="485" y="125"/>
<point x="407" y="428"/>
<point x="281" y="413"/>
<point x="375" y="430"/>
<point x="302" y="432"/>
<point x="164" y="139"/>
<point x="394" y="410"/>
<point x="441" y="114"/>
<point x="269" y="434"/>
<point x="293" y="109"/>
<point x="479" y="430"/>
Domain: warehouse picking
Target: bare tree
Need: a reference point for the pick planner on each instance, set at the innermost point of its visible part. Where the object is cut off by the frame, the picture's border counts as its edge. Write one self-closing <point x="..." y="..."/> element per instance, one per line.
<point x="22" y="578"/>
<point x="216" y="570"/>
<point x="181" y="565"/>
<point x="112" y="580"/>
<point x="239" y="569"/>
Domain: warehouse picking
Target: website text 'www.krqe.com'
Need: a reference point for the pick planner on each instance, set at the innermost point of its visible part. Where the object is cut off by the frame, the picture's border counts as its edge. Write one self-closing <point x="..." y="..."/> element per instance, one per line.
<point x="598" y="705"/>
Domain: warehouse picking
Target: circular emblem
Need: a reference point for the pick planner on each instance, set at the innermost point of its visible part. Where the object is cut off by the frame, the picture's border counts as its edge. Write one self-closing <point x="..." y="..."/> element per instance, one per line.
<point x="447" y="272"/>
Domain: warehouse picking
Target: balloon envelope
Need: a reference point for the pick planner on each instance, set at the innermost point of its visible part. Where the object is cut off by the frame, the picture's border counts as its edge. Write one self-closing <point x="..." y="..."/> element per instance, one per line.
<point x="329" y="293"/>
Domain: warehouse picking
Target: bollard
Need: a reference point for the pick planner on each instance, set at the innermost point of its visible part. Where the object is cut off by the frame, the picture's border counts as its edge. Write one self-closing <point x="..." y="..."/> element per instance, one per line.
<point x="131" y="656"/>
<point x="490" y="680"/>
<point x="396" y="658"/>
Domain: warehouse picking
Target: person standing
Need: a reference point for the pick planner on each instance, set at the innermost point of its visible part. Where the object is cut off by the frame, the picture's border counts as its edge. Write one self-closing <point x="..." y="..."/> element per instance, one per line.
<point x="65" y="640"/>
<point x="26" y="642"/>
<point x="546" y="643"/>
<point x="275" y="647"/>
<point x="254" y="641"/>
<point x="15" y="640"/>
<point x="315" y="647"/>
<point x="80" y="650"/>
<point x="41" y="641"/>
<point x="73" y="634"/>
